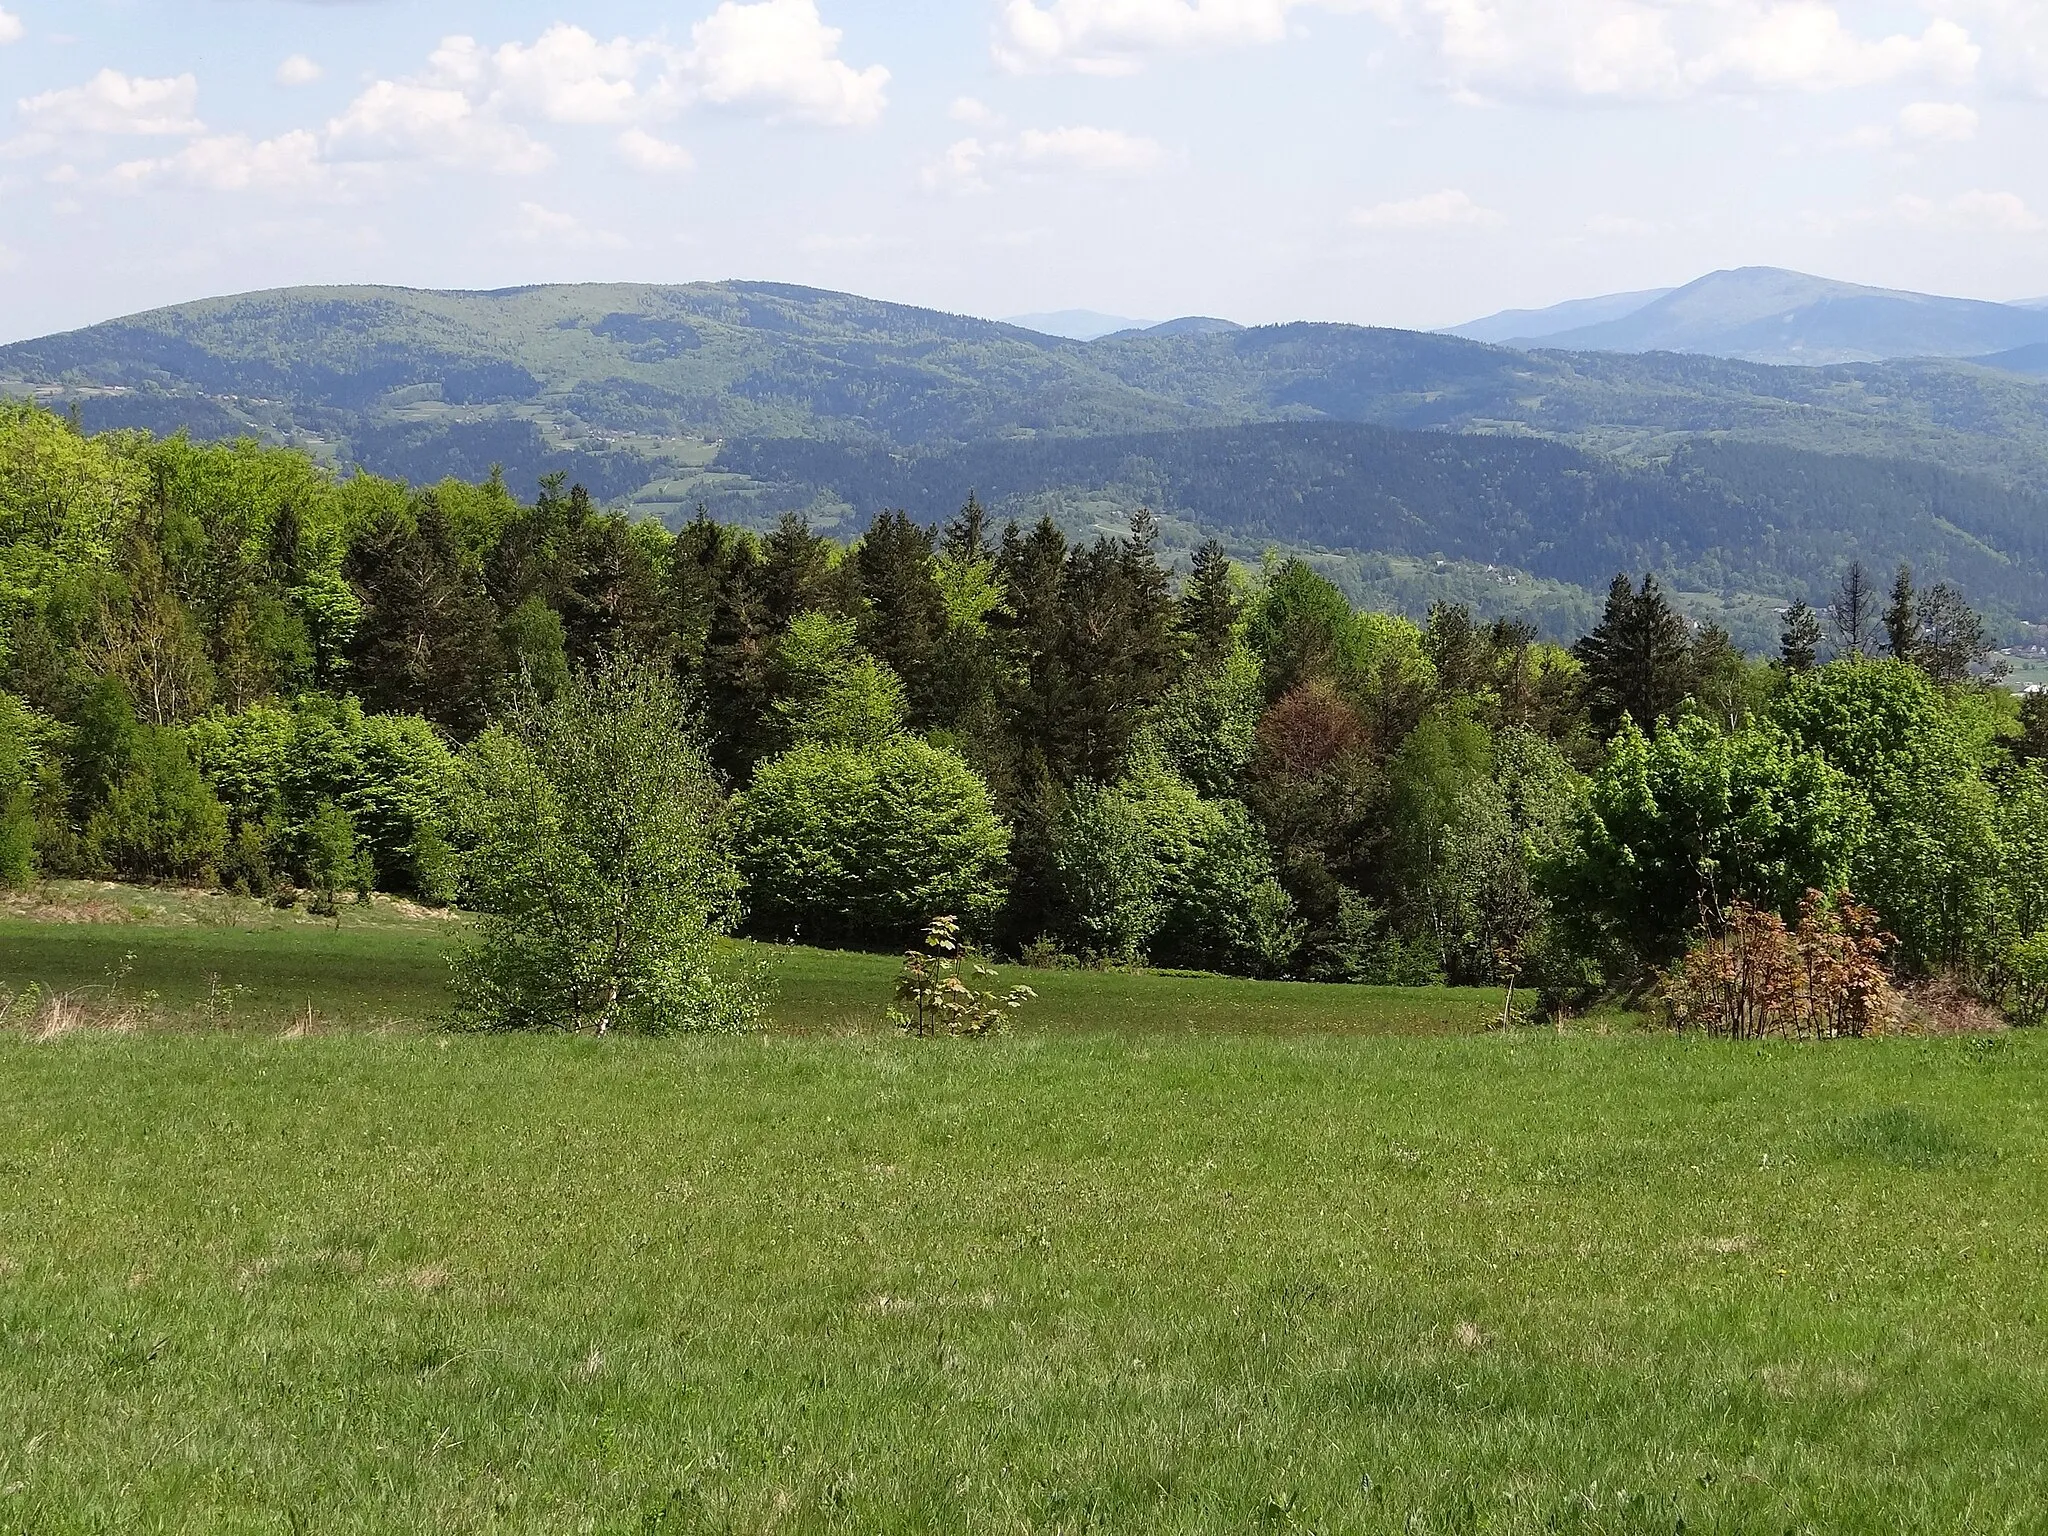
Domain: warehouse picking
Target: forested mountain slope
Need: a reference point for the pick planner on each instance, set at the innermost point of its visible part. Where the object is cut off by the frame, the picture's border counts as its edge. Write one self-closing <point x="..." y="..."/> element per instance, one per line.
<point x="619" y="383"/>
<point x="1731" y="478"/>
<point x="1714" y="516"/>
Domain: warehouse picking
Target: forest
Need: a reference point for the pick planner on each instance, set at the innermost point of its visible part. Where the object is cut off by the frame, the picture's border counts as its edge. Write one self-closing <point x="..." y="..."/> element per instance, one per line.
<point x="225" y="665"/>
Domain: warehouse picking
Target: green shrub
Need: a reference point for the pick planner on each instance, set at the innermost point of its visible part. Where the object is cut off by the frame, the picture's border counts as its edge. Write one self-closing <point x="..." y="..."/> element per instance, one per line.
<point x="161" y="821"/>
<point x="1691" y="820"/>
<point x="22" y="734"/>
<point x="868" y="844"/>
<point x="1145" y="866"/>
<point x="601" y="866"/>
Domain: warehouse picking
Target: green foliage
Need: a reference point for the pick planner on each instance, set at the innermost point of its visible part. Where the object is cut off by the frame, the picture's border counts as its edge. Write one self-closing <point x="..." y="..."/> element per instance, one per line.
<point x="1917" y="757"/>
<point x="833" y="693"/>
<point x="65" y="503"/>
<point x="935" y="997"/>
<point x="1677" y="826"/>
<point x="1207" y="726"/>
<point x="22" y="738"/>
<point x="160" y="820"/>
<point x="1638" y="658"/>
<point x="1145" y="866"/>
<point x="601" y="868"/>
<point x="331" y="855"/>
<point x="847" y="842"/>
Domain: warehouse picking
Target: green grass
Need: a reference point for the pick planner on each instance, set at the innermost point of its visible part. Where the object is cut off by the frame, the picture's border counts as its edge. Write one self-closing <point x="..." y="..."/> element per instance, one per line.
<point x="217" y="961"/>
<point x="1150" y="1275"/>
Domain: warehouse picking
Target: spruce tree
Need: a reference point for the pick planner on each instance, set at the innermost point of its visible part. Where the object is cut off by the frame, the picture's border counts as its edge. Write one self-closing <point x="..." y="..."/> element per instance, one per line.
<point x="1210" y="607"/>
<point x="1955" y="645"/>
<point x="1638" y="658"/>
<point x="1799" y="638"/>
<point x="903" y="613"/>
<point x="1901" y="619"/>
<point x="428" y="637"/>
<point x="966" y="539"/>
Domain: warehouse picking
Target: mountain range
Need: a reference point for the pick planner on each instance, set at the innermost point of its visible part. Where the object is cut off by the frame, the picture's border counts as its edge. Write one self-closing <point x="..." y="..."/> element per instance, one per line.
<point x="1768" y="315"/>
<point x="1415" y="465"/>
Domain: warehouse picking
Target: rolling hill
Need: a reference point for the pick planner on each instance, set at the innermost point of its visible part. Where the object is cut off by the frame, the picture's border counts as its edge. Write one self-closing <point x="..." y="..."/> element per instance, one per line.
<point x="757" y="398"/>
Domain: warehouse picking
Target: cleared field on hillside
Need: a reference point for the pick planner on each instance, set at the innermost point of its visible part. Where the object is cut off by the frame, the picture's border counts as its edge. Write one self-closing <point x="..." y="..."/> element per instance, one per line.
<point x="1097" y="1275"/>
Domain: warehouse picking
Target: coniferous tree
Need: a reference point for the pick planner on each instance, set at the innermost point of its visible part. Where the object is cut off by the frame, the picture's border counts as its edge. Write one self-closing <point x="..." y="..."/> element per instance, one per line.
<point x="1210" y="607"/>
<point x="796" y="573"/>
<point x="1120" y="655"/>
<point x="1800" y="637"/>
<point x="903" y="616"/>
<point x="611" y="597"/>
<point x="739" y="665"/>
<point x="1901" y="618"/>
<point x="1853" y="614"/>
<point x="428" y="637"/>
<point x="966" y="537"/>
<point x="1720" y="677"/>
<point x="699" y="562"/>
<point x="1638" y="658"/>
<point x="1034" y="685"/>
<point x="1954" y="644"/>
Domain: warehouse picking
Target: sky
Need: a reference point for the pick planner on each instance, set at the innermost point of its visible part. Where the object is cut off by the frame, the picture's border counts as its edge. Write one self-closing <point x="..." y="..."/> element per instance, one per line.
<point x="1399" y="162"/>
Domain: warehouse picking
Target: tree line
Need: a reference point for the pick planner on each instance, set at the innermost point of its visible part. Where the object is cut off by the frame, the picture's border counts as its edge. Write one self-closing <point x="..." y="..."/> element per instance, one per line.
<point x="223" y="664"/>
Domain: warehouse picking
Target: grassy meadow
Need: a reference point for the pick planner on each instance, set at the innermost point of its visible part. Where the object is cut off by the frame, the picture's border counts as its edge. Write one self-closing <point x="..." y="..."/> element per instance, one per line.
<point x="1176" y="1255"/>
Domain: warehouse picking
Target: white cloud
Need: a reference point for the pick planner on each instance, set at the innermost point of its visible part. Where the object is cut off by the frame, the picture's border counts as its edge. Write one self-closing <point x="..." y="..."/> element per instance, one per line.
<point x="1804" y="46"/>
<point x="976" y="114"/>
<point x="2014" y="34"/>
<point x="545" y="226"/>
<point x="440" y="124"/>
<point x="968" y="165"/>
<point x="1641" y="49"/>
<point x="114" y="103"/>
<point x="1977" y="212"/>
<point x="961" y="169"/>
<point x="564" y="76"/>
<point x="644" y="152"/>
<point x="298" y="70"/>
<point x="11" y="29"/>
<point x="776" y="57"/>
<point x="1920" y="123"/>
<point x="1449" y="209"/>
<point x="1597" y="49"/>
<point x="1114" y="37"/>
<point x="290" y="163"/>
<point x="1092" y="151"/>
<point x="1938" y="122"/>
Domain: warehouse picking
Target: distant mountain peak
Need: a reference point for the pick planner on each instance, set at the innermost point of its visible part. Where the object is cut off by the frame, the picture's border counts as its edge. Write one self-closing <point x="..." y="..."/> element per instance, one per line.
<point x="1772" y="315"/>
<point x="1077" y="324"/>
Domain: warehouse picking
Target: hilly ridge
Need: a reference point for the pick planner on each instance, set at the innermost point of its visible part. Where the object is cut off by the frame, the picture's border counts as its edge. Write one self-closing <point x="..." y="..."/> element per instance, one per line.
<point x="761" y="398"/>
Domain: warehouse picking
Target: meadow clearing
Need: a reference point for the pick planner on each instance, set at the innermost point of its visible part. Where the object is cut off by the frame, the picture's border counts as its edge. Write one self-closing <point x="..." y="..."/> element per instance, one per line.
<point x="1177" y="1254"/>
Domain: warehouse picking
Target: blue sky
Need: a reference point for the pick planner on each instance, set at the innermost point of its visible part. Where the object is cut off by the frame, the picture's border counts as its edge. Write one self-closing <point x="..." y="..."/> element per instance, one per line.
<point x="1406" y="162"/>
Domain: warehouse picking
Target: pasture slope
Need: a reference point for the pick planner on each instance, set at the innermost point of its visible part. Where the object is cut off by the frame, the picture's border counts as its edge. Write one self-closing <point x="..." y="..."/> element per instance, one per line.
<point x="1327" y="1260"/>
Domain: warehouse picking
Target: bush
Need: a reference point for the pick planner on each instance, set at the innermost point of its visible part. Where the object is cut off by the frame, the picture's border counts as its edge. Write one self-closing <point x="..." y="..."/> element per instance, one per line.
<point x="1689" y="822"/>
<point x="277" y="769"/>
<point x="850" y="843"/>
<point x="601" y="866"/>
<point x="21" y="737"/>
<point x="1754" y="978"/>
<point x="933" y="998"/>
<point x="161" y="821"/>
<point x="1146" y="866"/>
